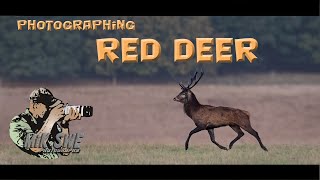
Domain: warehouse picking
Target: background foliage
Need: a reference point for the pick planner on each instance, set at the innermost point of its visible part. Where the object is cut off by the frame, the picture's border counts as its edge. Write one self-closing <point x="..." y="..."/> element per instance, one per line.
<point x="286" y="44"/>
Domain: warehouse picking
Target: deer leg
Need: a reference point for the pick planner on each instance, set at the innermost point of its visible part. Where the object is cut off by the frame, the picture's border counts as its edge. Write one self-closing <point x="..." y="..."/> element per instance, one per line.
<point x="237" y="129"/>
<point x="256" y="135"/>
<point x="195" y="130"/>
<point x="211" y="133"/>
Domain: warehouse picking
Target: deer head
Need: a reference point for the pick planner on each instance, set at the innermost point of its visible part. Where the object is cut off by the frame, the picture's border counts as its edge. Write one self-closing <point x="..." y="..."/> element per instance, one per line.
<point x="186" y="94"/>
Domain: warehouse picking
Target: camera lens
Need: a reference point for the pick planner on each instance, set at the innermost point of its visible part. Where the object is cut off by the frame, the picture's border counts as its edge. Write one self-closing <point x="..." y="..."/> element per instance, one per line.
<point x="87" y="111"/>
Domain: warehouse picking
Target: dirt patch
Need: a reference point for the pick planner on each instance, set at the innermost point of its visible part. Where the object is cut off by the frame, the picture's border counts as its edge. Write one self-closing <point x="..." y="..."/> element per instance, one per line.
<point x="282" y="114"/>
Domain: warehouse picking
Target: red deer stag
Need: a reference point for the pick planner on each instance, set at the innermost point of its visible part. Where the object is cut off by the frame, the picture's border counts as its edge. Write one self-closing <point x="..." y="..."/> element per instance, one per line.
<point x="208" y="117"/>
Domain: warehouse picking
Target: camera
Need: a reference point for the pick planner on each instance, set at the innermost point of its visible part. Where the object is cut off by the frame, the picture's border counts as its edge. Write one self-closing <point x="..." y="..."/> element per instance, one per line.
<point x="85" y="111"/>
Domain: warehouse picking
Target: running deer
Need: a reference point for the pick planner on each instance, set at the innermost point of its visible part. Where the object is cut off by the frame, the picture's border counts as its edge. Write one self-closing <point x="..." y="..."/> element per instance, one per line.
<point x="207" y="117"/>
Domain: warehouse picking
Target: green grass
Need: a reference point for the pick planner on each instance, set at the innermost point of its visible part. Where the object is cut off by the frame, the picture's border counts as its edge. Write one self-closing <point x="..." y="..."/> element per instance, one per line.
<point x="171" y="154"/>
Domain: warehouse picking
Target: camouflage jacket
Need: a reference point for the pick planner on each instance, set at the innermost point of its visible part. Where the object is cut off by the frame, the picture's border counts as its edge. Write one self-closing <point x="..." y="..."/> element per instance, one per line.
<point x="25" y="125"/>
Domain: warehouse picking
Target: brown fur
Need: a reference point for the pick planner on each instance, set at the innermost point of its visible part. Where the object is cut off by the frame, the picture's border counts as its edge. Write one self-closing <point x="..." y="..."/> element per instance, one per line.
<point x="207" y="117"/>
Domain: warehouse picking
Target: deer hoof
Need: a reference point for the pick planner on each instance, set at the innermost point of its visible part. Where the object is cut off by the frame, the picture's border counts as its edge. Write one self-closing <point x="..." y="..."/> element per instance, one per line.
<point x="224" y="148"/>
<point x="264" y="148"/>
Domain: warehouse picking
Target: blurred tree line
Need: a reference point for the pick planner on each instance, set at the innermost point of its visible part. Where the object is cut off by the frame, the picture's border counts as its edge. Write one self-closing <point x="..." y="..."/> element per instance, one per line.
<point x="285" y="44"/>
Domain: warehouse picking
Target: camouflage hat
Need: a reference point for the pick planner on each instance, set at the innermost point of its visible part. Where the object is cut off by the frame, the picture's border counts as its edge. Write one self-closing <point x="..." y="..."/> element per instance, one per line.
<point x="42" y="95"/>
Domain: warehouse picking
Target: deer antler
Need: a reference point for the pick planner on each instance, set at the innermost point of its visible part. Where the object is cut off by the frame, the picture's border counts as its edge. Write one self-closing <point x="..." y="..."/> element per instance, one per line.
<point x="194" y="78"/>
<point x="182" y="86"/>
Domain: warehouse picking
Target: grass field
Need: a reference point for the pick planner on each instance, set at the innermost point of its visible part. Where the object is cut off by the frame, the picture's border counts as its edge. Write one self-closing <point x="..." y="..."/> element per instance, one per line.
<point x="172" y="154"/>
<point x="286" y="116"/>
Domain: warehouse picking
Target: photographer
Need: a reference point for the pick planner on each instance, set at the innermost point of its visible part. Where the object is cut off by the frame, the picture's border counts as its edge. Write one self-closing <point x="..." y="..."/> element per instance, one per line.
<point x="45" y="115"/>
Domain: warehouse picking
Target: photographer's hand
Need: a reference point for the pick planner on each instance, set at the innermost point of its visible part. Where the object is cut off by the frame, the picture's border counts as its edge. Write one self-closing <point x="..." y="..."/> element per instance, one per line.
<point x="57" y="112"/>
<point x="73" y="115"/>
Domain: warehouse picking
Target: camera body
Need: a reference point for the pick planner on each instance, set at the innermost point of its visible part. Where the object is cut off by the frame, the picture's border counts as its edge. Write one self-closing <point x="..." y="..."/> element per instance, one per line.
<point x="85" y="111"/>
